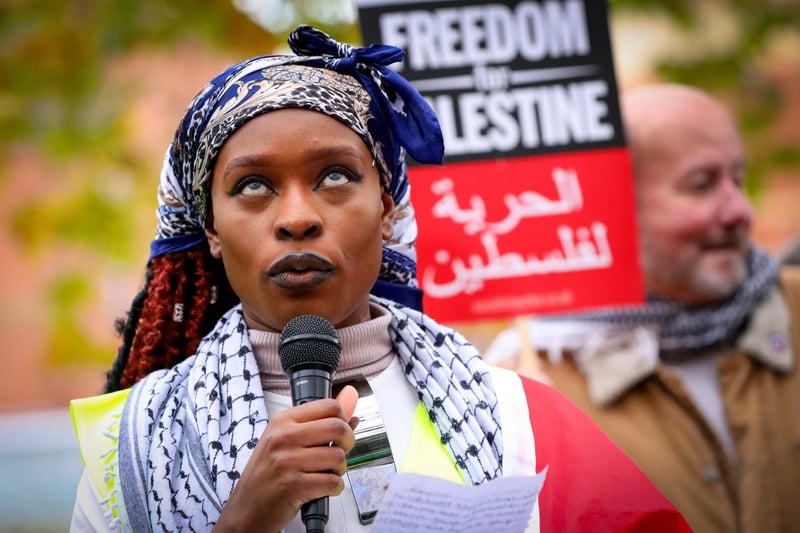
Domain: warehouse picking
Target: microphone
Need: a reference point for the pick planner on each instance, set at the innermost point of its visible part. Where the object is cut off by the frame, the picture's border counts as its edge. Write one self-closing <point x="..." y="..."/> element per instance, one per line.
<point x="309" y="352"/>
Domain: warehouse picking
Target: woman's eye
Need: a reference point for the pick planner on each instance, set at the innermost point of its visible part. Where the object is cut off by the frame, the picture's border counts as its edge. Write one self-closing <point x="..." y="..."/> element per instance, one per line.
<point x="251" y="187"/>
<point x="336" y="178"/>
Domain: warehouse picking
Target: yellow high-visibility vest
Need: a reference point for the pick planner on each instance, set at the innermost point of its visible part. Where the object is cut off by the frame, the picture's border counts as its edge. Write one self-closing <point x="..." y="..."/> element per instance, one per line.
<point x="96" y="421"/>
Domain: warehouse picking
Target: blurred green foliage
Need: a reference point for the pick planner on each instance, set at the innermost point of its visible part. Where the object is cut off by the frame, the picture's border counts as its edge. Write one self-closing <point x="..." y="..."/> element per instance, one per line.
<point x="732" y="73"/>
<point x="55" y="57"/>
<point x="55" y="101"/>
<point x="68" y="343"/>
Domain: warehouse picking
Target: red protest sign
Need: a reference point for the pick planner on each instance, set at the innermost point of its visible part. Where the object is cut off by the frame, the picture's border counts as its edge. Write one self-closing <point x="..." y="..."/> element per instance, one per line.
<point x="533" y="211"/>
<point x="514" y="236"/>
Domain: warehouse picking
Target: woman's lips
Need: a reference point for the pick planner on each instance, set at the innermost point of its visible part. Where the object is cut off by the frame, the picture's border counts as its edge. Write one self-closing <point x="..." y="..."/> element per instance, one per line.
<point x="300" y="270"/>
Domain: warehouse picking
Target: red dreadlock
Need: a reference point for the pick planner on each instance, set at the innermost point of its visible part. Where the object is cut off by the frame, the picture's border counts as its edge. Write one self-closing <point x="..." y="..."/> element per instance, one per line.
<point x="184" y="295"/>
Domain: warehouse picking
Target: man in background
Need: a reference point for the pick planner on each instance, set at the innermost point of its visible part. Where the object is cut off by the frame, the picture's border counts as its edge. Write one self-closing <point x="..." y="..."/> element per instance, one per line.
<point x="699" y="386"/>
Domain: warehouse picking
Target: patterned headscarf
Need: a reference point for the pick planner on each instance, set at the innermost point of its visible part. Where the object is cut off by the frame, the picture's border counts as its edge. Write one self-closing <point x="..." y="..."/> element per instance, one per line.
<point x="352" y="85"/>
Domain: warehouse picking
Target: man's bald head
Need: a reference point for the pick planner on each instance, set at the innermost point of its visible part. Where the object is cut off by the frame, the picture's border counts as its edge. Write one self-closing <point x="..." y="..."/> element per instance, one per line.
<point x="653" y="113"/>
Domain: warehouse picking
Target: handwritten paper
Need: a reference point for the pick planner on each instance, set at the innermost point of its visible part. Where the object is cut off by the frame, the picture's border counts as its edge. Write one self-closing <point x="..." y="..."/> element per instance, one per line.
<point x="421" y="503"/>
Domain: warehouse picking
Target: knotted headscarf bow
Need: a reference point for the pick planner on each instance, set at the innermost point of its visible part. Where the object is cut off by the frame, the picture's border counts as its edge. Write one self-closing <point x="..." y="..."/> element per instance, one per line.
<point x="405" y="120"/>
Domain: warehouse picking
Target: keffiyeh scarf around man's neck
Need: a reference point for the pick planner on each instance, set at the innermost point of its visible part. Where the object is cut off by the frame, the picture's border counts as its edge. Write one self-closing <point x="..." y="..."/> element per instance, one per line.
<point x="685" y="332"/>
<point x="187" y="433"/>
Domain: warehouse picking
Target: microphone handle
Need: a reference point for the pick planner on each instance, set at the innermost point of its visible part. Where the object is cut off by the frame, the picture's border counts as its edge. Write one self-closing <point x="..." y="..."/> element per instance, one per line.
<point x="315" y="515"/>
<point x="310" y="384"/>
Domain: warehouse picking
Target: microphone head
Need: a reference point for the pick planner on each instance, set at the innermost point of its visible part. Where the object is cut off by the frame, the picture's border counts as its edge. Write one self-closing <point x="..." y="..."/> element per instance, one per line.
<point x="309" y="341"/>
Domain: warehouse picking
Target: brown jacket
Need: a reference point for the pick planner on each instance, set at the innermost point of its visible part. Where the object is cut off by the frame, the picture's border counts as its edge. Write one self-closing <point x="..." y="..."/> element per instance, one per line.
<point x="643" y="406"/>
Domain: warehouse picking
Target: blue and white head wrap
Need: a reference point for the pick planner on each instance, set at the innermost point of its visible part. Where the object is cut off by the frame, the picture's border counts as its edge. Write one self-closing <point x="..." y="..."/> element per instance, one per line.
<point x="352" y="85"/>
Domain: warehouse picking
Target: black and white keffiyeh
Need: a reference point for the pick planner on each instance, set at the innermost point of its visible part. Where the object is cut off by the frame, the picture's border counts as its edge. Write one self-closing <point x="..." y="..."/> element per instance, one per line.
<point x="187" y="432"/>
<point x="684" y="332"/>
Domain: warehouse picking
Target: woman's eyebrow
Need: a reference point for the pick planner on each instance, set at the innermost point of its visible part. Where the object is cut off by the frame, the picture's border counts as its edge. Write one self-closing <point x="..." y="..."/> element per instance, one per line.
<point x="255" y="160"/>
<point x="246" y="161"/>
<point x="345" y="150"/>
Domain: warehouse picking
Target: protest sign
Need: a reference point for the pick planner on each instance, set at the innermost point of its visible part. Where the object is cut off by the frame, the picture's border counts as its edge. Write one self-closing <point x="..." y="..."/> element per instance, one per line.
<point x="533" y="211"/>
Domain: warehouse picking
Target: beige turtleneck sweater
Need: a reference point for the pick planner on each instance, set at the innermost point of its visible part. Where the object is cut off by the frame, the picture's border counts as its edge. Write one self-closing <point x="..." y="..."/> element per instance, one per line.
<point x="366" y="351"/>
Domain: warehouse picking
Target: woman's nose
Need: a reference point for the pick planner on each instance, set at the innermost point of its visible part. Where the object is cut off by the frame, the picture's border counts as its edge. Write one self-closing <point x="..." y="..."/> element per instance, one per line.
<point x="297" y="218"/>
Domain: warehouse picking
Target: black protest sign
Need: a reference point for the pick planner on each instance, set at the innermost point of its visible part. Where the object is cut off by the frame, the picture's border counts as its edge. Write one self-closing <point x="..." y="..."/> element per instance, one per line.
<point x="507" y="78"/>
